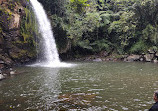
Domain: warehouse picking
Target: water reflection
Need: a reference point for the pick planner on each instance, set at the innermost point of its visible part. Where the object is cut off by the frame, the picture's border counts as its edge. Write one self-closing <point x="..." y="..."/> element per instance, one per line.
<point x="47" y="90"/>
<point x="34" y="90"/>
<point x="90" y="87"/>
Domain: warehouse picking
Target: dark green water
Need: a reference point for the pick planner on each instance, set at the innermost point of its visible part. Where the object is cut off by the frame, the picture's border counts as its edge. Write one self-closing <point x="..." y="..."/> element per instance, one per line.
<point x="100" y="86"/>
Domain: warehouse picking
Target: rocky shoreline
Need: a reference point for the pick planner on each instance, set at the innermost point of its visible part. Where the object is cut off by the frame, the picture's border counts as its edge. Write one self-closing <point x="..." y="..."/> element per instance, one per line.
<point x="5" y="73"/>
<point x="17" y="44"/>
<point x="150" y="56"/>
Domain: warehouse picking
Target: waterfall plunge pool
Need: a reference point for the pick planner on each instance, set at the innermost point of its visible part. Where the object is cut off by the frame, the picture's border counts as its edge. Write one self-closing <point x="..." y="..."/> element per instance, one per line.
<point x="89" y="86"/>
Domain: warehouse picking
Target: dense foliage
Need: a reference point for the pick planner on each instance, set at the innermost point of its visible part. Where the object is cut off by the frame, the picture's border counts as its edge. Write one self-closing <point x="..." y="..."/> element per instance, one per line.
<point x="92" y="26"/>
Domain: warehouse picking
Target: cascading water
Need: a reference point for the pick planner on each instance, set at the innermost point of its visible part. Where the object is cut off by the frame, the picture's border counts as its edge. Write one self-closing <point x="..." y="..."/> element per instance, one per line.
<point x="49" y="46"/>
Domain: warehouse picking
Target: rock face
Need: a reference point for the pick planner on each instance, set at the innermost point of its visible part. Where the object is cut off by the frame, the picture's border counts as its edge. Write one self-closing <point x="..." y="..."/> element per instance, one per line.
<point x="17" y="44"/>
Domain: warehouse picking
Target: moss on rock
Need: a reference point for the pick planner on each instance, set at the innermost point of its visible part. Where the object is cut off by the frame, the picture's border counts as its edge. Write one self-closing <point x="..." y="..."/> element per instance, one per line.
<point x="17" y="31"/>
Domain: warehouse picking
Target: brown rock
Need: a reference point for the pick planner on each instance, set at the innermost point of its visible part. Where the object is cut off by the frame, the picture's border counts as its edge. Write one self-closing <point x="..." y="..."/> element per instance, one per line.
<point x="132" y="58"/>
<point x="156" y="54"/>
<point x="151" y="51"/>
<point x="149" y="57"/>
<point x="155" y="61"/>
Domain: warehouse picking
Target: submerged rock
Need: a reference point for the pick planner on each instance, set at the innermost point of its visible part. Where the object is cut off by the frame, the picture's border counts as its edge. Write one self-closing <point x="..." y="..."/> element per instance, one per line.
<point x="76" y="100"/>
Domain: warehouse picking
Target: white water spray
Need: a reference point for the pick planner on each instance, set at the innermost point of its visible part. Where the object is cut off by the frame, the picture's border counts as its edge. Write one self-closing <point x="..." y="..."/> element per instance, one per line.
<point x="50" y="51"/>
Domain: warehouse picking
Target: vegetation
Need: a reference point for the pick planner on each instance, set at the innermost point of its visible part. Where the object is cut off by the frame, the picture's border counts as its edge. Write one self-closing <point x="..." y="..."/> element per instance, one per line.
<point x="113" y="26"/>
<point x="17" y="31"/>
<point x="28" y="27"/>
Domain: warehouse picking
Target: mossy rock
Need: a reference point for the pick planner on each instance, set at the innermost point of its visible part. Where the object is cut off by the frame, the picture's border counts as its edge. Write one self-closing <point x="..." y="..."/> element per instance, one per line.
<point x="32" y="54"/>
<point x="18" y="54"/>
<point x="6" y="59"/>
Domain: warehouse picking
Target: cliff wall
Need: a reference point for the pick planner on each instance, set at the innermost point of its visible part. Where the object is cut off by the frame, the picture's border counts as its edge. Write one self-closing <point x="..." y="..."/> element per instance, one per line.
<point x="17" y="32"/>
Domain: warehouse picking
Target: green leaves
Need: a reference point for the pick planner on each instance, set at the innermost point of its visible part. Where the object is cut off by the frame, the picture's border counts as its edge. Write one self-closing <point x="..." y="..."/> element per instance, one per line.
<point x="100" y="45"/>
<point x="150" y="33"/>
<point x="85" y="44"/>
<point x="139" y="47"/>
<point x="105" y="18"/>
<point x="79" y="1"/>
<point x="96" y="46"/>
<point x="123" y="25"/>
<point x="79" y="5"/>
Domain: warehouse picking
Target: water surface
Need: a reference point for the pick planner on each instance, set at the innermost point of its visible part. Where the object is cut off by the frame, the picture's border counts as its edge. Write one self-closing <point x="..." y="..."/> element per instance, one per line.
<point x="93" y="86"/>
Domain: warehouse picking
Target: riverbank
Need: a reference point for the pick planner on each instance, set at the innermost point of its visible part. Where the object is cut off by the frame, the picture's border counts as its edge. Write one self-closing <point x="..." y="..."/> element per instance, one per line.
<point x="17" y="44"/>
<point x="5" y="73"/>
<point x="150" y="56"/>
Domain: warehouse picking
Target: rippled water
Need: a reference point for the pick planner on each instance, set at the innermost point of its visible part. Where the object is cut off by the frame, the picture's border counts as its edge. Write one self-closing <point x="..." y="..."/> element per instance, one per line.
<point x="95" y="86"/>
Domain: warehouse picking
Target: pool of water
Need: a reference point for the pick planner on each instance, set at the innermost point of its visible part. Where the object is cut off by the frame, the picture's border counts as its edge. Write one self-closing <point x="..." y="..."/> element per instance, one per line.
<point x="89" y="86"/>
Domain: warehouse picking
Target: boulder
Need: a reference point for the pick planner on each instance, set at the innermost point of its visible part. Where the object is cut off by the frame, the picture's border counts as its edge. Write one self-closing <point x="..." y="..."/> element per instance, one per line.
<point x="1" y="77"/>
<point x="149" y="57"/>
<point x="132" y="58"/>
<point x="151" y="51"/>
<point x="12" y="72"/>
<point x="156" y="54"/>
<point x="155" y="61"/>
<point x="97" y="60"/>
<point x="141" y="59"/>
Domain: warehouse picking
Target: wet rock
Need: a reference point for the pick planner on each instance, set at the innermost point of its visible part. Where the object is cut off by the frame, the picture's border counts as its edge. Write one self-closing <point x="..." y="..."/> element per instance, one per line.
<point x="1" y="77"/>
<point x="155" y="61"/>
<point x="132" y="58"/>
<point x="5" y="61"/>
<point x="156" y="54"/>
<point x="141" y="59"/>
<point x="109" y="59"/>
<point x="77" y="100"/>
<point x="151" y="51"/>
<point x="97" y="60"/>
<point x="149" y="57"/>
<point x="4" y="64"/>
<point x="12" y="72"/>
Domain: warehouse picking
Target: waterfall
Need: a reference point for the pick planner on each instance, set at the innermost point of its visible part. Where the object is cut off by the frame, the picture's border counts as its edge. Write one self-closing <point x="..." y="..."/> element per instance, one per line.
<point x="50" y="53"/>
